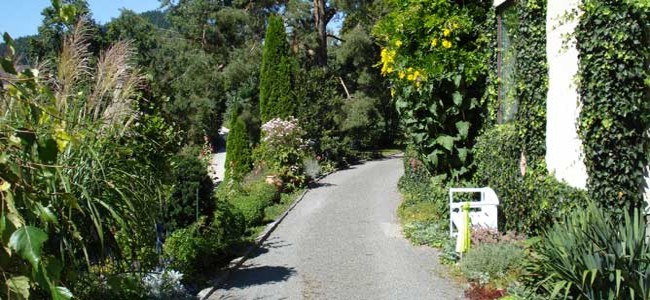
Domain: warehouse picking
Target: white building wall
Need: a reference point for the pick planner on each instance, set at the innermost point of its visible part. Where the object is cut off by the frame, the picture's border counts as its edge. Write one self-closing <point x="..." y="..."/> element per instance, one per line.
<point x="563" y="146"/>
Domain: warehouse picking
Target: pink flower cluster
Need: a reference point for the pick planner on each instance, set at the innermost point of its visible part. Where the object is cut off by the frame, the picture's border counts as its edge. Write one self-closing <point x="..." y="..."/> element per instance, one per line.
<point x="282" y="132"/>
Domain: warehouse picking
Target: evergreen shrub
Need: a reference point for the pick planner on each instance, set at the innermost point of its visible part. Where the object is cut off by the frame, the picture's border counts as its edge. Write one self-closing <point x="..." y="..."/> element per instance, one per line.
<point x="192" y="184"/>
<point x="239" y="158"/>
<point x="276" y="91"/>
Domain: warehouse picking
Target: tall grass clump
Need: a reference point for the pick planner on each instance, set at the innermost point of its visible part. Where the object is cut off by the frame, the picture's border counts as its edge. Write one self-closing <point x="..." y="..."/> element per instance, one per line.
<point x="69" y="177"/>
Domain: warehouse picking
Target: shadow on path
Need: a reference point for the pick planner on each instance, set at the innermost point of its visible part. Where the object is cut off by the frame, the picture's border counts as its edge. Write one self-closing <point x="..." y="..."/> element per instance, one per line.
<point x="259" y="275"/>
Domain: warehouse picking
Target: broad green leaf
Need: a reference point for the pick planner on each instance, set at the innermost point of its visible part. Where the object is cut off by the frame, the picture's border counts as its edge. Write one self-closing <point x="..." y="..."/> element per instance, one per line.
<point x="28" y="241"/>
<point x="463" y="128"/>
<point x="457" y="79"/>
<point x="458" y="98"/>
<point x="61" y="293"/>
<point x="446" y="142"/>
<point x="462" y="154"/>
<point x="19" y="286"/>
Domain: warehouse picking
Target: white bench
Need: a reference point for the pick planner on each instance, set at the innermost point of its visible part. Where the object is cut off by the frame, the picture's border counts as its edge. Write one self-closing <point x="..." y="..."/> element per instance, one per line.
<point x="483" y="212"/>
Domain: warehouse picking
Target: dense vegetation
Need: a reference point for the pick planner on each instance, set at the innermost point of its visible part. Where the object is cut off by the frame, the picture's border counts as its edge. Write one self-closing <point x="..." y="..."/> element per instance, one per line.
<point x="106" y="134"/>
<point x="583" y="244"/>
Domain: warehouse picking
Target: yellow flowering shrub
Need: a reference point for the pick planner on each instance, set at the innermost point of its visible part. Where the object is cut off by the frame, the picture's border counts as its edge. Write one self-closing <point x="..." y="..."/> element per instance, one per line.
<point x="435" y="57"/>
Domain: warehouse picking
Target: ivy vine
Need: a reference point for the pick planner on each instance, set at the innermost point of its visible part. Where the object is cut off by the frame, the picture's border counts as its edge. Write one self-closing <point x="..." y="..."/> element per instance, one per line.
<point x="532" y="80"/>
<point x="612" y="39"/>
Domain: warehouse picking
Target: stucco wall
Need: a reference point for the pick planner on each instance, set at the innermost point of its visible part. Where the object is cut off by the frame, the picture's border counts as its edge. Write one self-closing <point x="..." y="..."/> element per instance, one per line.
<point x="563" y="146"/>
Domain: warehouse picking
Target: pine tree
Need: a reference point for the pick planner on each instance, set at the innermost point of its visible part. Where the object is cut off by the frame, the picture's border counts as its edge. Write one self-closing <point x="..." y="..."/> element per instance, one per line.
<point x="238" y="150"/>
<point x="276" y="93"/>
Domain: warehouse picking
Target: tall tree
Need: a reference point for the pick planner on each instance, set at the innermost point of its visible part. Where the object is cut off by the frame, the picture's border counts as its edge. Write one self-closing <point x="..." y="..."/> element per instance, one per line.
<point x="276" y="95"/>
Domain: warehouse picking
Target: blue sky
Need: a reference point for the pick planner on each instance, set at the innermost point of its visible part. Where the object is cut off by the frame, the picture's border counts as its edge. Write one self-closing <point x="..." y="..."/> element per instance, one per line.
<point x="22" y="17"/>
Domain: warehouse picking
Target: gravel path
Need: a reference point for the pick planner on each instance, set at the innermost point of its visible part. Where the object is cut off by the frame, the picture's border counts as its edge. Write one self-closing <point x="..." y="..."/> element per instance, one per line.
<point x="343" y="241"/>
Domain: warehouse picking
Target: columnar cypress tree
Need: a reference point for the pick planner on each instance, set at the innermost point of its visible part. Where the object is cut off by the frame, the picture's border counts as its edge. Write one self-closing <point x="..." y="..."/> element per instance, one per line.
<point x="238" y="149"/>
<point x="276" y="96"/>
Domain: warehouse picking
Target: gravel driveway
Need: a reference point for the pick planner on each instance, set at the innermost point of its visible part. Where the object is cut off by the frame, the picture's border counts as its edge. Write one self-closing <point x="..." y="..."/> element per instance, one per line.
<point x="343" y="241"/>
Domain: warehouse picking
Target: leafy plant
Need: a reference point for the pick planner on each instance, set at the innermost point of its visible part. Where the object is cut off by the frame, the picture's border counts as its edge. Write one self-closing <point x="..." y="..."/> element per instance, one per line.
<point x="283" y="150"/>
<point x="253" y="200"/>
<point x="68" y="174"/>
<point x="202" y="245"/>
<point x="592" y="255"/>
<point x="435" y="55"/>
<point x="492" y="263"/>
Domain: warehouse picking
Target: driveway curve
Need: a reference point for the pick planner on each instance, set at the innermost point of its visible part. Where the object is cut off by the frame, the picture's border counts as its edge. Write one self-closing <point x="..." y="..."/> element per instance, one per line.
<point x="343" y="241"/>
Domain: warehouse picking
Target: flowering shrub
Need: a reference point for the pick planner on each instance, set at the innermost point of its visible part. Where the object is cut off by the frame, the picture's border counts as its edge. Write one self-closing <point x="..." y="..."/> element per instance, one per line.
<point x="435" y="55"/>
<point x="283" y="150"/>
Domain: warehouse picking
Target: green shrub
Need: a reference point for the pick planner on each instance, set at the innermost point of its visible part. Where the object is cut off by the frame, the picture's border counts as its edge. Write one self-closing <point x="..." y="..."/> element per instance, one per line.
<point x="250" y="200"/>
<point x="592" y="255"/>
<point x="202" y="245"/>
<point x="239" y="160"/>
<point x="530" y="202"/>
<point x="492" y="262"/>
<point x="192" y="185"/>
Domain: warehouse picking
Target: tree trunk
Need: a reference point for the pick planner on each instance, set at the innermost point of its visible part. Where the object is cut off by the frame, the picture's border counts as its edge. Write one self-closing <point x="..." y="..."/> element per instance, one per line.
<point x="321" y="20"/>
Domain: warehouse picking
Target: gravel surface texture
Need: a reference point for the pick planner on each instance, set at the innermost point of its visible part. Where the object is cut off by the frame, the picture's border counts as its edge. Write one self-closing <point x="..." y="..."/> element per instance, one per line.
<point x="343" y="241"/>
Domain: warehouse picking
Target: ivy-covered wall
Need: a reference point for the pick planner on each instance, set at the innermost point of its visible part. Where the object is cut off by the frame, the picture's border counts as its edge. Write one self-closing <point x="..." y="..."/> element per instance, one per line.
<point x="613" y="42"/>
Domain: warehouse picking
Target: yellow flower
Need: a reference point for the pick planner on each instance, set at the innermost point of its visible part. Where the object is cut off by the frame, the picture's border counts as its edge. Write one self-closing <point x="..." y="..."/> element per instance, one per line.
<point x="389" y="70"/>
<point x="402" y="74"/>
<point x="409" y="70"/>
<point x="417" y="84"/>
<point x="410" y="77"/>
<point x="446" y="32"/>
<point x="398" y="43"/>
<point x="392" y="92"/>
<point x="434" y="42"/>
<point x="446" y="44"/>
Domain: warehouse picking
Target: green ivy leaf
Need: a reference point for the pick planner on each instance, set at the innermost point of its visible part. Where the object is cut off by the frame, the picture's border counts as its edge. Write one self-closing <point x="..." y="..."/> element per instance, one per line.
<point x="463" y="128"/>
<point x="19" y="286"/>
<point x="28" y="241"/>
<point x="458" y="98"/>
<point x="446" y="142"/>
<point x="462" y="154"/>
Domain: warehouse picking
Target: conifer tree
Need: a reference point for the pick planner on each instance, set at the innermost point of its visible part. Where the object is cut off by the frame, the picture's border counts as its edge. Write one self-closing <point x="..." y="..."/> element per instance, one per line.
<point x="276" y="95"/>
<point x="238" y="149"/>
